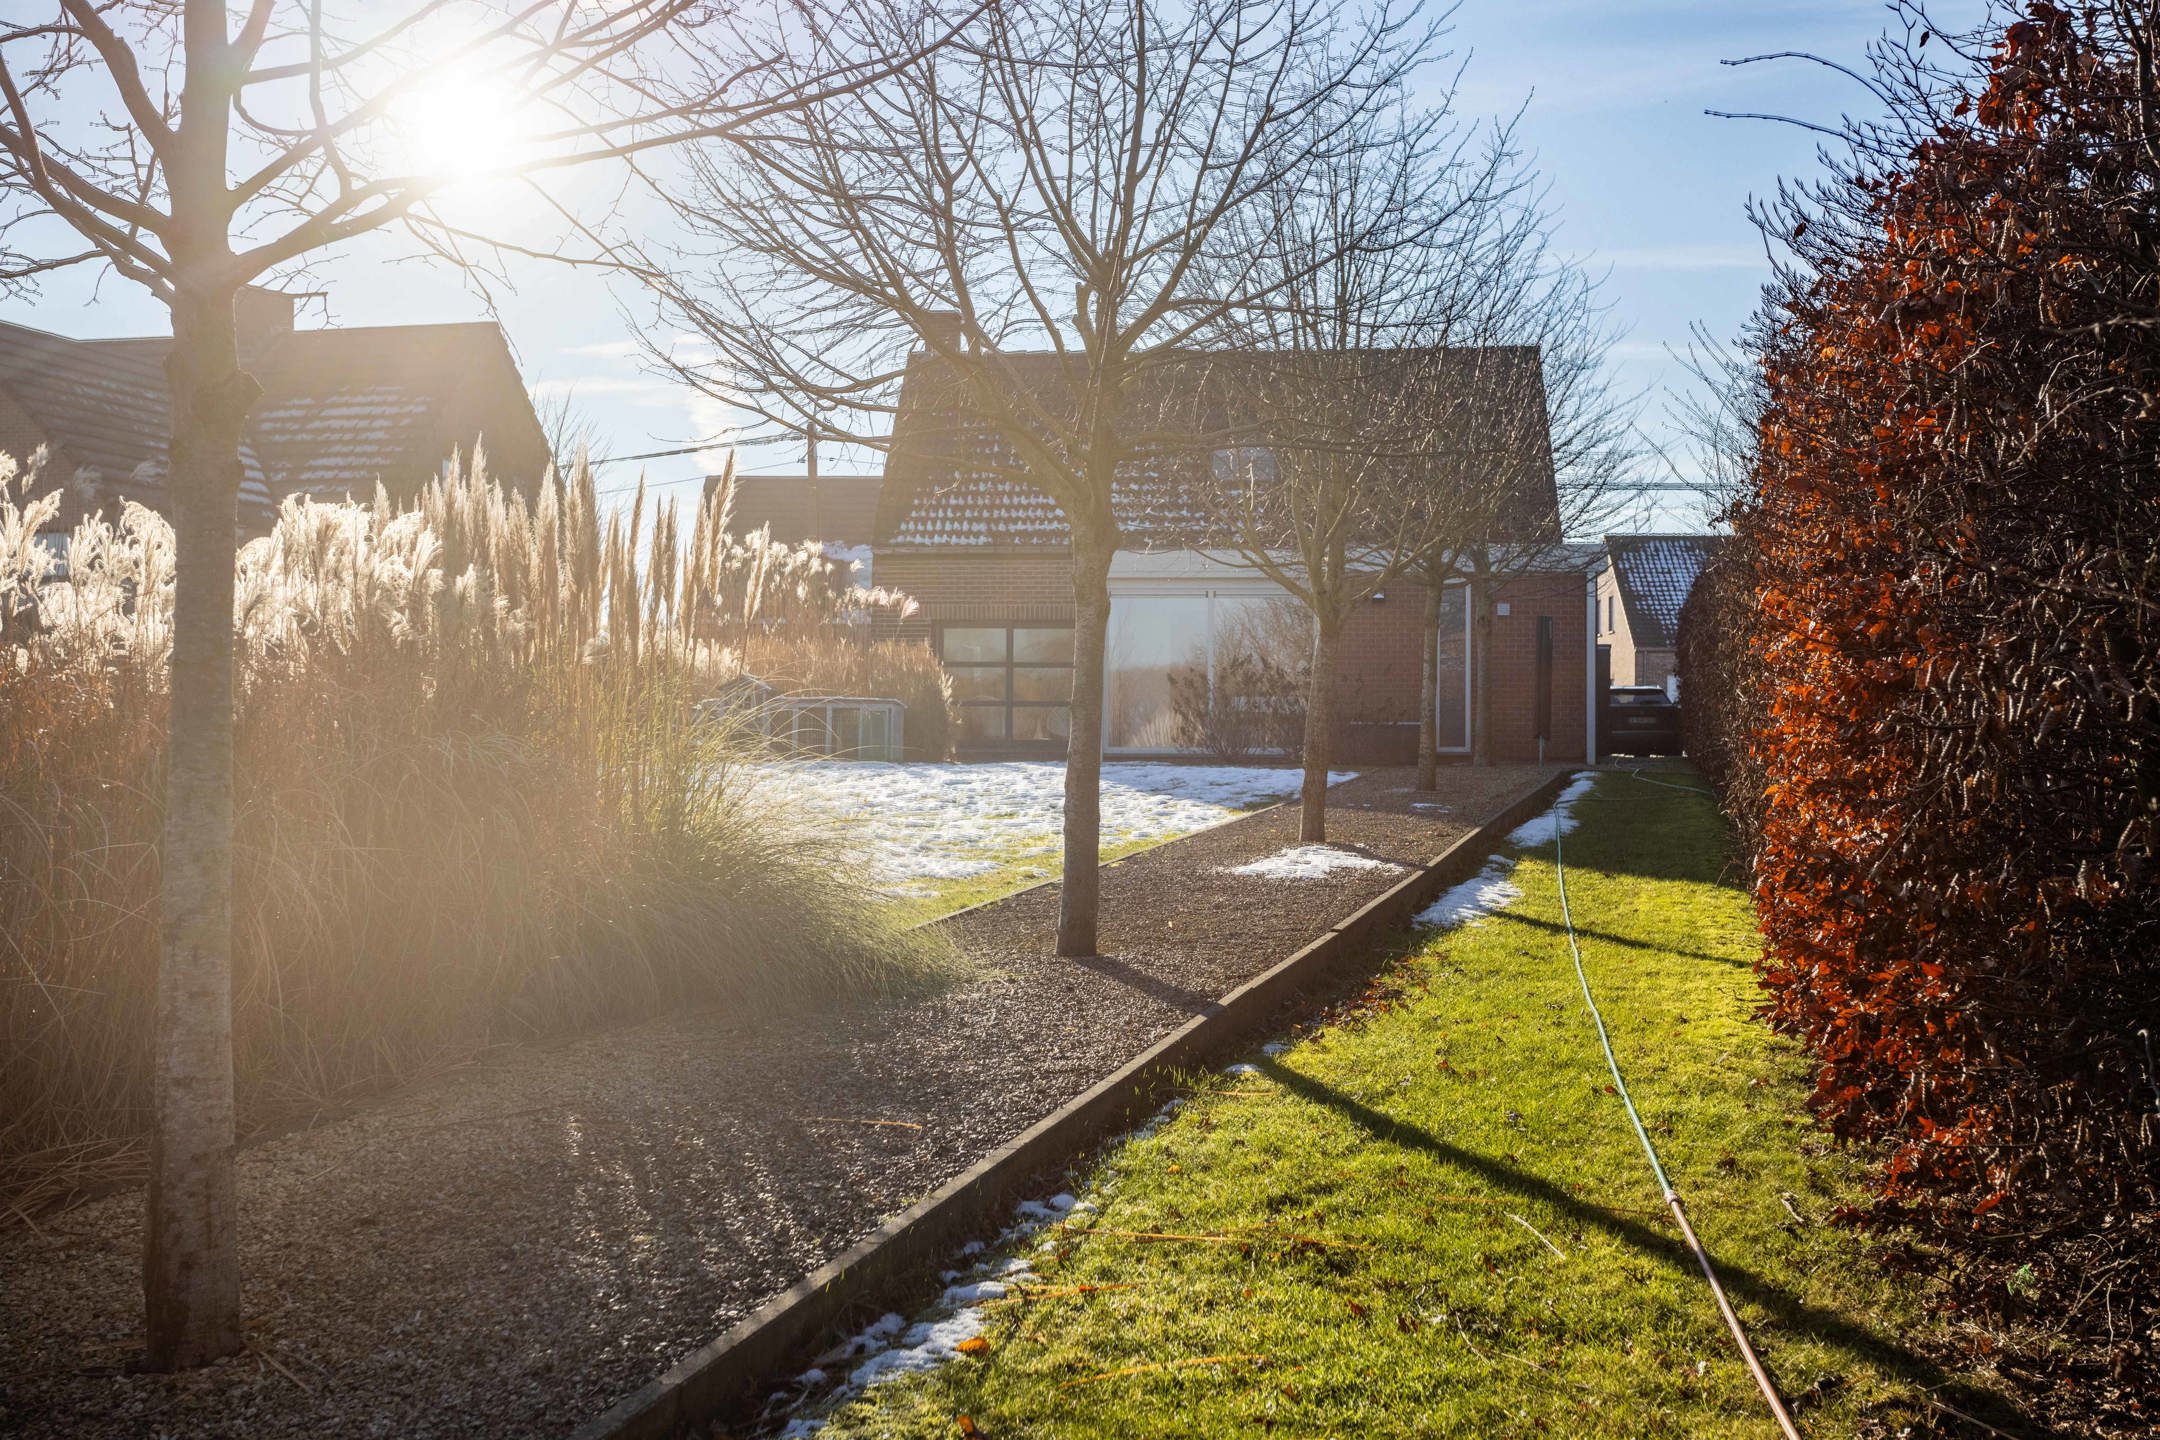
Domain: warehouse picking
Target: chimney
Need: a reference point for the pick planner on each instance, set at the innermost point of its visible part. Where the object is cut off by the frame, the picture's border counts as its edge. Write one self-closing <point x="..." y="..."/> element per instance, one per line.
<point x="941" y="330"/>
<point x="262" y="316"/>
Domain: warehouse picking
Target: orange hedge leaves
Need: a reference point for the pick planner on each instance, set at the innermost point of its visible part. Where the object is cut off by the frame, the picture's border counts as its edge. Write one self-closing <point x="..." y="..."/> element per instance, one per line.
<point x="1928" y="678"/>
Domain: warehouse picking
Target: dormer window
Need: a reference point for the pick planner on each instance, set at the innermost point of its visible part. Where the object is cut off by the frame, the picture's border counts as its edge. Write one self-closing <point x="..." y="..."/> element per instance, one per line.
<point x="1241" y="467"/>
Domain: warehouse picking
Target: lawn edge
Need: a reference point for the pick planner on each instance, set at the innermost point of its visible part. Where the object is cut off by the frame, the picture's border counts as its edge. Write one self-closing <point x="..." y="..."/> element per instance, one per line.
<point x="882" y="1270"/>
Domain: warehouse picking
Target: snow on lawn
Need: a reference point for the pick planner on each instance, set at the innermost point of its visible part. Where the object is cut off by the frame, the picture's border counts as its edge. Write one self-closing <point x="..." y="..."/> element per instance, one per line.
<point x="1558" y="821"/>
<point x="928" y="822"/>
<point x="1309" y="862"/>
<point x="1468" y="903"/>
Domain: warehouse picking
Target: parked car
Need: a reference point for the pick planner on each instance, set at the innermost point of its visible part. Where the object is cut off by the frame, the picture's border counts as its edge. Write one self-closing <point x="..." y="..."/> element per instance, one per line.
<point x="1642" y="720"/>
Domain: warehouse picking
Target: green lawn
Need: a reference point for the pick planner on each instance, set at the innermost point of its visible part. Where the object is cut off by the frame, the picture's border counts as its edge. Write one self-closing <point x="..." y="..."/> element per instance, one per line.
<point x="1430" y="1217"/>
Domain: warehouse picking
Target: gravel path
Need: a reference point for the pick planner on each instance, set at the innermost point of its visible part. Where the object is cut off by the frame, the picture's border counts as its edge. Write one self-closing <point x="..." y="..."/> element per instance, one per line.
<point x="509" y="1250"/>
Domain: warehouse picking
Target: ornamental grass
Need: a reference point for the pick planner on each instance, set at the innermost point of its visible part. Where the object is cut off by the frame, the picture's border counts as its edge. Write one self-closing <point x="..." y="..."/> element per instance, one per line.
<point x="475" y="805"/>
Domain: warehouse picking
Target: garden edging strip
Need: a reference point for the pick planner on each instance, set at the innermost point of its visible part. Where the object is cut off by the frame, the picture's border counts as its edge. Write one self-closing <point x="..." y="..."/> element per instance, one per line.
<point x="886" y="1266"/>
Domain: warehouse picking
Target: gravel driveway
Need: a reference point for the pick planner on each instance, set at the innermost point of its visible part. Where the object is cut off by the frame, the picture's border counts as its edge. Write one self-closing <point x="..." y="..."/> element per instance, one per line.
<point x="510" y="1249"/>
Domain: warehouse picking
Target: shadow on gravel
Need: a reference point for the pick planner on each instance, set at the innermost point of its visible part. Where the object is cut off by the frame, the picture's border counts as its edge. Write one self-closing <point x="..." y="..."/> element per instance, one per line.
<point x="1161" y="991"/>
<point x="1790" y="1311"/>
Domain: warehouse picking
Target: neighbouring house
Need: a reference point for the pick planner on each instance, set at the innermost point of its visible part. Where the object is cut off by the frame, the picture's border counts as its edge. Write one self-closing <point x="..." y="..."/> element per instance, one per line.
<point x="342" y="410"/>
<point x="838" y="510"/>
<point x="986" y="556"/>
<point x="1642" y="581"/>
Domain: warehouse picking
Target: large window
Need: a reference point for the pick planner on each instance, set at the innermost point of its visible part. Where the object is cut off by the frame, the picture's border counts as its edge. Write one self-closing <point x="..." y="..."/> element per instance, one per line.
<point x="1215" y="668"/>
<point x="1013" y="682"/>
<point x="1453" y="710"/>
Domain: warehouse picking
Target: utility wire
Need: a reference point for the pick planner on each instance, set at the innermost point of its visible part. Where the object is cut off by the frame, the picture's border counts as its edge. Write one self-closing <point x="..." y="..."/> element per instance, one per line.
<point x="1657" y="1168"/>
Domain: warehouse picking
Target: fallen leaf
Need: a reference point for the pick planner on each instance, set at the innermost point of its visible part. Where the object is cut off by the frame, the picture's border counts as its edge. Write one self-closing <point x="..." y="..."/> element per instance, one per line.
<point x="973" y="1345"/>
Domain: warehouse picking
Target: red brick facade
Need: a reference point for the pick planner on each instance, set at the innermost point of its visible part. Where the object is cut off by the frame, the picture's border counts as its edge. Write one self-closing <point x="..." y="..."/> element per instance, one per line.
<point x="1379" y="670"/>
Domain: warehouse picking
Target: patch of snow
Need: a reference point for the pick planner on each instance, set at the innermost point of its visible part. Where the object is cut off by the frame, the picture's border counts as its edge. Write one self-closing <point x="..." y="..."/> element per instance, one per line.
<point x="1044" y="1212"/>
<point x="1275" y="1047"/>
<point x="1477" y="897"/>
<point x="1558" y="821"/>
<point x="800" y="1428"/>
<point x="1309" y="862"/>
<point x="924" y="1347"/>
<point x="1242" y="1069"/>
<point x="916" y="822"/>
<point x="875" y="1336"/>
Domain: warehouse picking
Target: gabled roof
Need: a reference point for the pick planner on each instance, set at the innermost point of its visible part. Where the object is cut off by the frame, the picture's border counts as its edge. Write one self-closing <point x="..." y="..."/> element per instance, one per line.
<point x="953" y="480"/>
<point x="843" y="510"/>
<point x="1653" y="574"/>
<point x="341" y="409"/>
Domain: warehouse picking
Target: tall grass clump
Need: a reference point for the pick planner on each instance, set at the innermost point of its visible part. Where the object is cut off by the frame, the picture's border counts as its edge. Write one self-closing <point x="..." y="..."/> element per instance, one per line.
<point x="474" y="805"/>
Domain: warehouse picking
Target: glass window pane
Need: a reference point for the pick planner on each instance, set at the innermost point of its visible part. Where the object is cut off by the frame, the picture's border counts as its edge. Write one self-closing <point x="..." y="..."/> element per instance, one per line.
<point x="1041" y="722"/>
<point x="1154" y="640"/>
<point x="1043" y="646"/>
<point x="1042" y="684"/>
<point x="1454" y="668"/>
<point x="983" y="722"/>
<point x="978" y="682"/>
<point x="1263" y="655"/>
<point x="977" y="644"/>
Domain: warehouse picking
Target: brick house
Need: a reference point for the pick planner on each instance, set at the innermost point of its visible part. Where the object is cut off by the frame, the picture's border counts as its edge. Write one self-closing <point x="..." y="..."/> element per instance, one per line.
<point x="342" y="410"/>
<point x="1642" y="581"/>
<point x="986" y="556"/>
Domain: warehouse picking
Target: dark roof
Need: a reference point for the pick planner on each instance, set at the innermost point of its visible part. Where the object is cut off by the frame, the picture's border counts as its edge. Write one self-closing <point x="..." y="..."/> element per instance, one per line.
<point x="1653" y="574"/>
<point x="952" y="479"/>
<point x="844" y="507"/>
<point x="341" y="408"/>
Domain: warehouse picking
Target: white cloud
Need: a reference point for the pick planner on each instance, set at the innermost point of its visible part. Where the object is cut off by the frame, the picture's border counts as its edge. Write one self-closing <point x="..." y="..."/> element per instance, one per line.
<point x="1682" y="256"/>
<point x="605" y="349"/>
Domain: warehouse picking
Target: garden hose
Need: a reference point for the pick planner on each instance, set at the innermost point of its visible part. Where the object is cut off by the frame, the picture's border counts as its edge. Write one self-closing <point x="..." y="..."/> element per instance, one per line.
<point x="1672" y="1196"/>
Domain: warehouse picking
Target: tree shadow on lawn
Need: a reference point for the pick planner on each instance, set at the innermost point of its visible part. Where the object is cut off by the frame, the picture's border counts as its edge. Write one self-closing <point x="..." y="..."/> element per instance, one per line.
<point x="1858" y="1341"/>
<point x="1516" y="917"/>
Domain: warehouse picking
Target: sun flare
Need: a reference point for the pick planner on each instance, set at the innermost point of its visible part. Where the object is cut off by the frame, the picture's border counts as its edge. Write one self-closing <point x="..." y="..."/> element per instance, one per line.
<point x="460" y="127"/>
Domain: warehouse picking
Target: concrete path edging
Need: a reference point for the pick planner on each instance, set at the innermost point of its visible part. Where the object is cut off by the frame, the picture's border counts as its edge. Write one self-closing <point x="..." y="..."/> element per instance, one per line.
<point x="885" y="1269"/>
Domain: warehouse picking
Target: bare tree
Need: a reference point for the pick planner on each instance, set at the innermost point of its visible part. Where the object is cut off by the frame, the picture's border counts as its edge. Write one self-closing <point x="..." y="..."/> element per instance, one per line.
<point x="194" y="155"/>
<point x="1343" y="393"/>
<point x="1061" y="183"/>
<point x="1543" y="447"/>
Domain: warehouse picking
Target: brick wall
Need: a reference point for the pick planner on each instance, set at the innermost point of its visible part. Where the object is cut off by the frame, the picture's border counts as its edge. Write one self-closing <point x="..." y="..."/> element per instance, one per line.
<point x="1378" y="671"/>
<point x="1513" y="667"/>
<point x="1618" y="636"/>
<point x="1653" y="667"/>
<point x="981" y="585"/>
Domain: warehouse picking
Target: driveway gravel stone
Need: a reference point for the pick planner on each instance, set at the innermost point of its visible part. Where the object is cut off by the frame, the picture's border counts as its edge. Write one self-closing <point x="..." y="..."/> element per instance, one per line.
<point x="509" y="1249"/>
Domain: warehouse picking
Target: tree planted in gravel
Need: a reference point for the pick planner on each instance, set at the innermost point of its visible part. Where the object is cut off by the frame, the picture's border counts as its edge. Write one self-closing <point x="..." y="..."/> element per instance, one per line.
<point x="1068" y="181"/>
<point x="1335" y="404"/>
<point x="194" y="156"/>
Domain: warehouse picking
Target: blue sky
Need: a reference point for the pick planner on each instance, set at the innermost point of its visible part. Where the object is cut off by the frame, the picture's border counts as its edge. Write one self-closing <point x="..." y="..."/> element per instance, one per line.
<point x="1645" y="186"/>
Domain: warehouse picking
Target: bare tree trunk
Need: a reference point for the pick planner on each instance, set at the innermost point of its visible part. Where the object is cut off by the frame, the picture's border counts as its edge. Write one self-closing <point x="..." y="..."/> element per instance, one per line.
<point x="191" y="1267"/>
<point x="1080" y="896"/>
<point x="1319" y="699"/>
<point x="1428" y="728"/>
